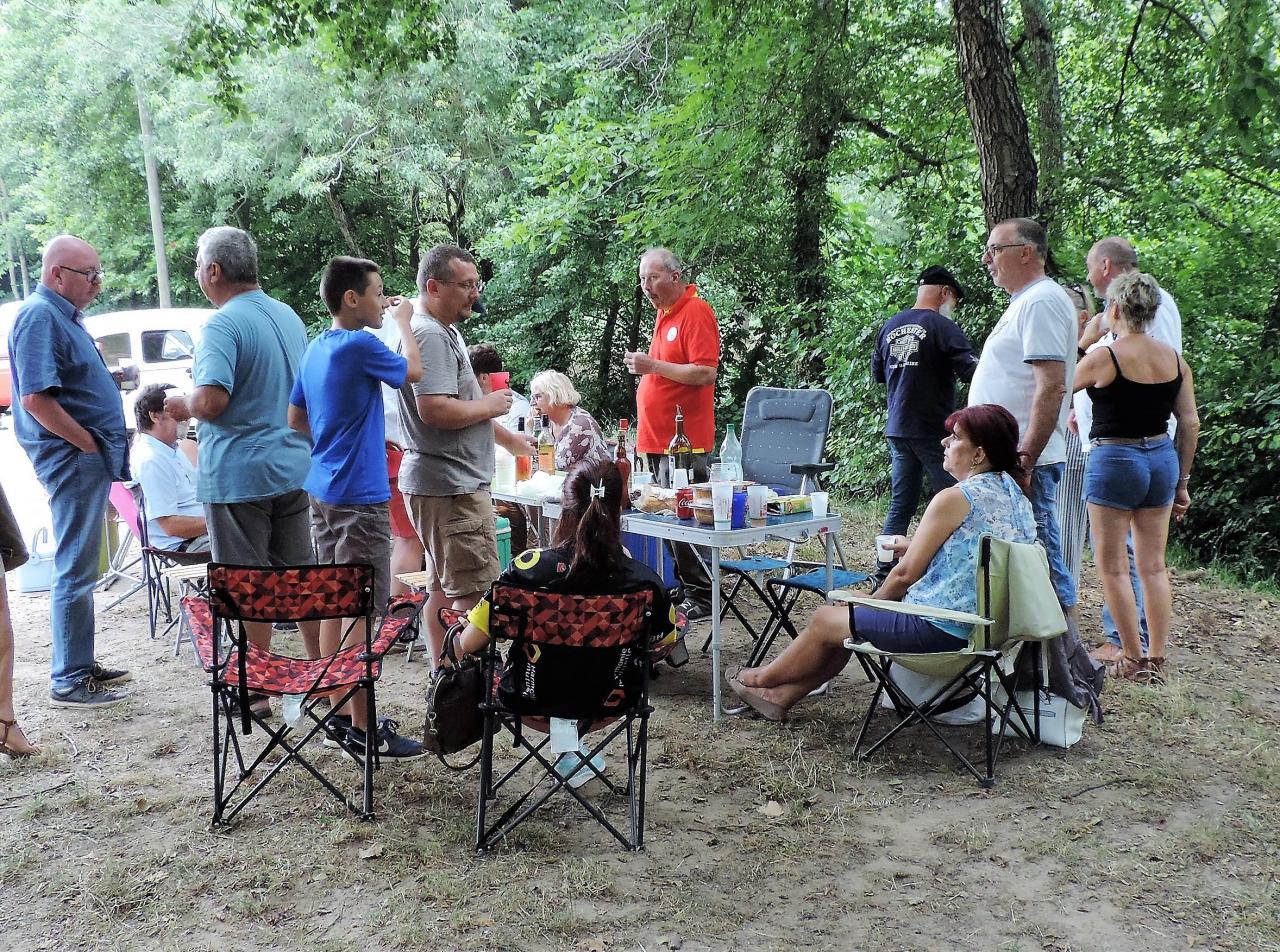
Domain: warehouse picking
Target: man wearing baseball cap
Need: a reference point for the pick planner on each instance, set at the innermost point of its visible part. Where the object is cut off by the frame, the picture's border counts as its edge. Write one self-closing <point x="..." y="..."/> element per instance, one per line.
<point x="920" y="355"/>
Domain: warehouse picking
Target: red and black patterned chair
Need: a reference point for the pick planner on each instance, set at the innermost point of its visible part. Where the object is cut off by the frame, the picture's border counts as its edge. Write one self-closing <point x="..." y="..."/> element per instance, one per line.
<point x="237" y="667"/>
<point x="583" y="658"/>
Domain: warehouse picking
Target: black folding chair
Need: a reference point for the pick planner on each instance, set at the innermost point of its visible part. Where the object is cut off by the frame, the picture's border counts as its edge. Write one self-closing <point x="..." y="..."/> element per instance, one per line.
<point x="579" y="657"/>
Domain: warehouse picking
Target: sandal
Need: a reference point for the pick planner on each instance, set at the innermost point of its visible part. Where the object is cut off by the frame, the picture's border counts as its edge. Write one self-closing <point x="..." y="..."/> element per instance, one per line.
<point x="762" y="706"/>
<point x="8" y="727"/>
<point x="1130" y="669"/>
<point x="1155" y="671"/>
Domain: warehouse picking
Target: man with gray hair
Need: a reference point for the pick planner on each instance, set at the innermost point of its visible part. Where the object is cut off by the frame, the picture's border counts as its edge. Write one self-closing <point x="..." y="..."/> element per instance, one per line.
<point x="251" y="464"/>
<point x="448" y="427"/>
<point x="1107" y="260"/>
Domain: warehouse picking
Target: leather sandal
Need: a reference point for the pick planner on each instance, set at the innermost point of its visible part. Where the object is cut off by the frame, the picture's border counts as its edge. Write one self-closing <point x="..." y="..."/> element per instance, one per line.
<point x="1155" y="671"/>
<point x="6" y="727"/>
<point x="1131" y="669"/>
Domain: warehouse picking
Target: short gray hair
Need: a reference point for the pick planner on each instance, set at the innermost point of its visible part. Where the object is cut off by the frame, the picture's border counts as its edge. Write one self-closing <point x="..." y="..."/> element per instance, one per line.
<point x="437" y="264"/>
<point x="1118" y="251"/>
<point x="1137" y="295"/>
<point x="233" y="250"/>
<point x="556" y="387"/>
<point x="1032" y="232"/>
<point x="665" y="258"/>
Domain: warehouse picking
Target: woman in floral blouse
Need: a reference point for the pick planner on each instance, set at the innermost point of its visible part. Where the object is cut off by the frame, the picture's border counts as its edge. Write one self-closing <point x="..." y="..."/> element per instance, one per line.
<point x="577" y="435"/>
<point x="937" y="567"/>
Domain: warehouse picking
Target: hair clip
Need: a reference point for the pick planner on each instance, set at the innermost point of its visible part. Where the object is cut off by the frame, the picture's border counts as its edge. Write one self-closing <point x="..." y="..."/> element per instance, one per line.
<point x="597" y="491"/>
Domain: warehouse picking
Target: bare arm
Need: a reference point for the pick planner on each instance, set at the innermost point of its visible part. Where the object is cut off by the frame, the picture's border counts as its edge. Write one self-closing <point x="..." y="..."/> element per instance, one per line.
<point x="298" y="420"/>
<point x="1051" y="387"/>
<point x="182" y="527"/>
<point x="403" y="315"/>
<point x="1094" y="370"/>
<point x="49" y="413"/>
<point x="513" y="443"/>
<point x="449" y="413"/>
<point x="942" y="517"/>
<point x="207" y="403"/>
<point x="1184" y="410"/>
<point x="693" y="375"/>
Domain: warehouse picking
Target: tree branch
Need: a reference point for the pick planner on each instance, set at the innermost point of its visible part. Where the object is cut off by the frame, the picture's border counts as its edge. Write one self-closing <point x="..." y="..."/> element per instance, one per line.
<point x="1128" y="55"/>
<point x="880" y="132"/>
<point x="1191" y="25"/>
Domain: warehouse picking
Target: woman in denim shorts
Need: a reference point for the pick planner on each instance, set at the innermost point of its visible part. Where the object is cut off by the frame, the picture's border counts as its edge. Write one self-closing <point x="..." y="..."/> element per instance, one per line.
<point x="1136" y="475"/>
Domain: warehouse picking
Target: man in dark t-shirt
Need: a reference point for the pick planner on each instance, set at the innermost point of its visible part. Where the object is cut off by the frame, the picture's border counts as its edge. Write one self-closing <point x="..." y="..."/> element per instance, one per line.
<point x="920" y="354"/>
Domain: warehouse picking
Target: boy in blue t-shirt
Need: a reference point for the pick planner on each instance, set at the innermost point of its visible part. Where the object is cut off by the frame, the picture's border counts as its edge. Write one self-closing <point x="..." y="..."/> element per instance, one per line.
<point x="337" y="402"/>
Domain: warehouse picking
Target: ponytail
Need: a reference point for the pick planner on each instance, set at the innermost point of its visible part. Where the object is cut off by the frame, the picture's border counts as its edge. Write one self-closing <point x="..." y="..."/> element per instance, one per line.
<point x="591" y="525"/>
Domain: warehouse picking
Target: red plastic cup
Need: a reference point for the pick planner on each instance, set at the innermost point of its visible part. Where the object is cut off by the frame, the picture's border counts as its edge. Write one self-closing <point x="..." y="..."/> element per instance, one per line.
<point x="500" y="380"/>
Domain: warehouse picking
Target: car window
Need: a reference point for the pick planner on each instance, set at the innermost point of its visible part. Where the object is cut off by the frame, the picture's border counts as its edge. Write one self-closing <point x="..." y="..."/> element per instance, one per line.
<point x="161" y="346"/>
<point x="114" y="347"/>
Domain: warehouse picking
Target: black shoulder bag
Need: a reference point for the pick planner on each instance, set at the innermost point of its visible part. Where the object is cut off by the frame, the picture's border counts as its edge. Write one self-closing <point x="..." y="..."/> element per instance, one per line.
<point x="454" y="718"/>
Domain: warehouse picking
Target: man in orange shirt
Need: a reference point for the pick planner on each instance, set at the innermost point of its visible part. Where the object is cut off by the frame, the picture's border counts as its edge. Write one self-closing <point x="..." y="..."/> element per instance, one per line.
<point x="679" y="370"/>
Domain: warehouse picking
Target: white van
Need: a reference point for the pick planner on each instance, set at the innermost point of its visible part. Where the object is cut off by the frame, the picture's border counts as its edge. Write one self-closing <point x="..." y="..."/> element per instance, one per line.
<point x="152" y="346"/>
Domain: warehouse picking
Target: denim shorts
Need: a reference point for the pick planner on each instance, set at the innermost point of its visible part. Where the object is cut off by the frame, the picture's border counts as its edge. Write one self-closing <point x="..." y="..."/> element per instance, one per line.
<point x="1131" y="475"/>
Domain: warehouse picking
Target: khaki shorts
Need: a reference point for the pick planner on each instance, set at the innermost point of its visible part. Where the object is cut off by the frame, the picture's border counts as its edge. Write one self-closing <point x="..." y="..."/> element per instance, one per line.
<point x="355" y="533"/>
<point x="458" y="534"/>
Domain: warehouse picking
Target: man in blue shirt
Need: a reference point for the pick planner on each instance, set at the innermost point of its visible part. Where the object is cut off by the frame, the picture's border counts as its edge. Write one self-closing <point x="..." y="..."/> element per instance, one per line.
<point x="69" y="419"/>
<point x="251" y="464"/>
<point x="337" y="402"/>
<point x="175" y="518"/>
<point x="920" y="354"/>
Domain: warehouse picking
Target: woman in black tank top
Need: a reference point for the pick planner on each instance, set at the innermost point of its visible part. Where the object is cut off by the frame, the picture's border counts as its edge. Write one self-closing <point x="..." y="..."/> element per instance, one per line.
<point x="1135" y="476"/>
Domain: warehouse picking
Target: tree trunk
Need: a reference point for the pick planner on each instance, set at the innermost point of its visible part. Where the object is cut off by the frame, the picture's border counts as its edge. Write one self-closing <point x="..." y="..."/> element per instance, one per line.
<point x="1043" y="67"/>
<point x="11" y="259"/>
<point x="153" y="197"/>
<point x="606" y="343"/>
<point x="343" y="219"/>
<point x="1006" y="162"/>
<point x="415" y="230"/>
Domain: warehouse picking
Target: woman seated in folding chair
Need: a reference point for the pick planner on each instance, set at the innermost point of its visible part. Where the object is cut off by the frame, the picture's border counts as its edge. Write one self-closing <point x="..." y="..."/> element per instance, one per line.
<point x="586" y="558"/>
<point x="937" y="567"/>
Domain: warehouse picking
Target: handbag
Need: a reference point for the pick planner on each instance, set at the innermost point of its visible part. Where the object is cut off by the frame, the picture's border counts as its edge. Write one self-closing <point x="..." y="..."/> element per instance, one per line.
<point x="454" y="718"/>
<point x="13" y="550"/>
<point x="1061" y="722"/>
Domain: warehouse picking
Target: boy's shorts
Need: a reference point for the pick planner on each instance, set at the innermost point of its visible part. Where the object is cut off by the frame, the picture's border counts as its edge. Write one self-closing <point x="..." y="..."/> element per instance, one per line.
<point x="355" y="533"/>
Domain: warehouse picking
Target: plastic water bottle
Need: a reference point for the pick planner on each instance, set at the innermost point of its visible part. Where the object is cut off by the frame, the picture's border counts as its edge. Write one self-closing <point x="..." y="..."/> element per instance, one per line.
<point x="731" y="455"/>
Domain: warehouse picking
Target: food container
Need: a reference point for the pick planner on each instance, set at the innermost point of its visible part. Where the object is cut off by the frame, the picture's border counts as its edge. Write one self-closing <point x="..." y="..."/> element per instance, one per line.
<point x="785" y="505"/>
<point x="702" y="491"/>
<point x="704" y="514"/>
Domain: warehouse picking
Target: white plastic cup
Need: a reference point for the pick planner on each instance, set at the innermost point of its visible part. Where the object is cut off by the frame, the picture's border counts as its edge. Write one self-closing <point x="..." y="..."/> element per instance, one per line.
<point x="884" y="548"/>
<point x="679" y="478"/>
<point x="722" y="505"/>
<point x="757" y="500"/>
<point x="818" y="502"/>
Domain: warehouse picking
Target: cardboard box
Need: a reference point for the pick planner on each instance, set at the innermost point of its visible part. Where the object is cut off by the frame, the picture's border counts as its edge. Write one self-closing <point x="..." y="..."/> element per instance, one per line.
<point x="787" y="505"/>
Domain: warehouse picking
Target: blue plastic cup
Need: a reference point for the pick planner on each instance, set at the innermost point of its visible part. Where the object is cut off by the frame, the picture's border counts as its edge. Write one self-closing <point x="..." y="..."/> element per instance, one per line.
<point x="739" y="510"/>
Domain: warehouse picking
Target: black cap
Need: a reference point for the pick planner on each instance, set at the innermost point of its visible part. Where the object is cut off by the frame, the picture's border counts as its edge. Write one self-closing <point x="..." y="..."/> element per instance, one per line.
<point x="937" y="274"/>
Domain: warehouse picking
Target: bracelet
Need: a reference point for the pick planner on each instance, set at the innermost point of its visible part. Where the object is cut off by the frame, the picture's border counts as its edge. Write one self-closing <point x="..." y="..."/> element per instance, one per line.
<point x="1186" y="478"/>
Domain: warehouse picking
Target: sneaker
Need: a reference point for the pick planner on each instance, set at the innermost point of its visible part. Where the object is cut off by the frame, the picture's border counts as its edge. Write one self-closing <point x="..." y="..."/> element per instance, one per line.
<point x="391" y="746"/>
<point x="570" y="766"/>
<point x="89" y="694"/>
<point x="336" y="729"/>
<point x="284" y="626"/>
<point x="694" y="612"/>
<point x="105" y="675"/>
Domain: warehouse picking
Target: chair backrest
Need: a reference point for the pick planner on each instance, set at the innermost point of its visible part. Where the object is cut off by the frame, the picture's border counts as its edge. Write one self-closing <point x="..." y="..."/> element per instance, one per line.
<point x="1016" y="591"/>
<point x="290" y="593"/>
<point x="781" y="427"/>
<point x="580" y="656"/>
<point x="122" y="501"/>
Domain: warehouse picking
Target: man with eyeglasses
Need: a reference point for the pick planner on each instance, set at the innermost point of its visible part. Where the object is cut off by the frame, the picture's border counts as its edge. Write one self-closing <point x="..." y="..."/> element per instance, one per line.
<point x="1107" y="260"/>
<point x="449" y="430"/>
<point x="69" y="419"/>
<point x="1027" y="366"/>
<point x="920" y="355"/>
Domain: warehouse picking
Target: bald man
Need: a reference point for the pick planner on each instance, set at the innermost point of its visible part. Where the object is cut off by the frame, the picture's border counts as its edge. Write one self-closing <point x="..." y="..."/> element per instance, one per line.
<point x="68" y="417"/>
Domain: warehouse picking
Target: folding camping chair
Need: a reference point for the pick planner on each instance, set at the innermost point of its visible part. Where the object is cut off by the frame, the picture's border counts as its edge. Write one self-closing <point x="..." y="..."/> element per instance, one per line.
<point x="784" y="437"/>
<point x="237" y="594"/>
<point x="121" y="560"/>
<point x="154" y="563"/>
<point x="579" y="657"/>
<point x="1016" y="606"/>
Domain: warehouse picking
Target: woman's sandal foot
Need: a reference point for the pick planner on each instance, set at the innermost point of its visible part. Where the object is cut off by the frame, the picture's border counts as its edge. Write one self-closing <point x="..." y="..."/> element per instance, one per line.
<point x="20" y="748"/>
<point x="758" y="702"/>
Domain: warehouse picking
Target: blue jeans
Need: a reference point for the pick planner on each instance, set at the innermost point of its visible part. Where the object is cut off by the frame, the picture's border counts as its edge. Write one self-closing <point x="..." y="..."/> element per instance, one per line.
<point x="78" y="502"/>
<point x="1109" y="622"/>
<point x="912" y="457"/>
<point x="1044" y="502"/>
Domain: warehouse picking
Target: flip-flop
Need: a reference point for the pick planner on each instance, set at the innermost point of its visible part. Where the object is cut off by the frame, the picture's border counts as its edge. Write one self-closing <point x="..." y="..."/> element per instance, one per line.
<point x="760" y="704"/>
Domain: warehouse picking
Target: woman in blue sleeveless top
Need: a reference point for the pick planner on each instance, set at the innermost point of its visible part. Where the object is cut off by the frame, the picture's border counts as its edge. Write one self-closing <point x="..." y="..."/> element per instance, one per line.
<point x="938" y="566"/>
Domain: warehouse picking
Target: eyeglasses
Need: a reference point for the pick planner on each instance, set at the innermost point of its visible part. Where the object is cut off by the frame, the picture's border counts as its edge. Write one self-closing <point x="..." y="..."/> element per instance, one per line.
<point x="92" y="275"/>
<point x="468" y="286"/>
<point x="654" y="278"/>
<point x="990" y="251"/>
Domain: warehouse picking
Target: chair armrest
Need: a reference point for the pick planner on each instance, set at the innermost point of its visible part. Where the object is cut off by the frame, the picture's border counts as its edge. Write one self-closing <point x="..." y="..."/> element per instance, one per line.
<point x="906" y="608"/>
<point x="811" y="469"/>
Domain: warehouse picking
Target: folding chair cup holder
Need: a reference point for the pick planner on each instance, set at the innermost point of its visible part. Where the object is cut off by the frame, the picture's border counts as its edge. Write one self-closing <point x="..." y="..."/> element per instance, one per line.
<point x="1013" y="611"/>
<point x="237" y="667"/>
<point x="579" y="657"/>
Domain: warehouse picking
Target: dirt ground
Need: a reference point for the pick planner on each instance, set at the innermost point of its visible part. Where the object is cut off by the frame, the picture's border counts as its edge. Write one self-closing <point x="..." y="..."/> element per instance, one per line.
<point x="1160" y="830"/>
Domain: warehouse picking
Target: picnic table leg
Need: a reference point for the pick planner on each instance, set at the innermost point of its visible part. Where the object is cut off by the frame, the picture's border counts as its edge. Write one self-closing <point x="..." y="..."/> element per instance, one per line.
<point x="715" y="631"/>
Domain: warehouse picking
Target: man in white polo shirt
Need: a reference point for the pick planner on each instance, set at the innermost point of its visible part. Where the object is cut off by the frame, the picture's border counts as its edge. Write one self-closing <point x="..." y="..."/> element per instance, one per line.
<point x="1027" y="366"/>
